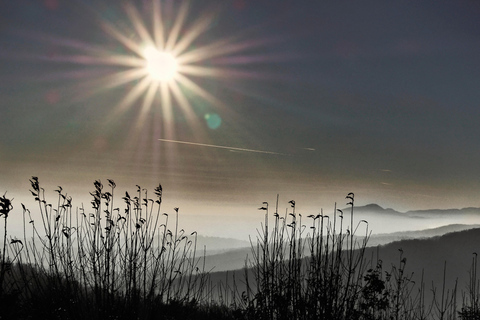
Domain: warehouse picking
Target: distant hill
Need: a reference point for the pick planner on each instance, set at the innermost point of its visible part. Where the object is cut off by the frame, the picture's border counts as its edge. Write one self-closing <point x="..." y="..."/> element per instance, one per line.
<point x="235" y="259"/>
<point x="456" y="249"/>
<point x="384" y="238"/>
<point x="229" y="254"/>
<point x="426" y="256"/>
<point x="388" y="220"/>
<point x="215" y="245"/>
<point x="229" y="260"/>
<point x="375" y="208"/>
<point x="442" y="212"/>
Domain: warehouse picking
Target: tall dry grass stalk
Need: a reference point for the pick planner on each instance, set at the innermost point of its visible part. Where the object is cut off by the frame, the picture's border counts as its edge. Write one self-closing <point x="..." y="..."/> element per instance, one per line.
<point x="115" y="261"/>
<point x="318" y="269"/>
<point x="135" y="262"/>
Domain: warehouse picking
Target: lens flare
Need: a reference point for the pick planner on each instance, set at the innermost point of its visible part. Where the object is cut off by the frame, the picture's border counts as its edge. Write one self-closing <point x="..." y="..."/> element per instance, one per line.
<point x="213" y="121"/>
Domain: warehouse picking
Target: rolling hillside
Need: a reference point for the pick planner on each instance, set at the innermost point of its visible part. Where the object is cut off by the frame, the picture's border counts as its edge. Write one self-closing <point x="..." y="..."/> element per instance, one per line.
<point x="425" y="258"/>
<point x="235" y="258"/>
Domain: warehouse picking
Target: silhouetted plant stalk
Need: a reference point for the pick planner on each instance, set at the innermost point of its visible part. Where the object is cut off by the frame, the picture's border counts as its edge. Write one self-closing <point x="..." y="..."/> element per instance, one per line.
<point x="288" y="285"/>
<point x="5" y="208"/>
<point x="446" y="307"/>
<point x="93" y="263"/>
<point x="105" y="255"/>
<point x="471" y="298"/>
<point x="323" y="273"/>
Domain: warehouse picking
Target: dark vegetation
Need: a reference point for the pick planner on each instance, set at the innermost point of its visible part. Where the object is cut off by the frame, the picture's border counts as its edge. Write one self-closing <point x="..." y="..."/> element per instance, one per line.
<point x="132" y="261"/>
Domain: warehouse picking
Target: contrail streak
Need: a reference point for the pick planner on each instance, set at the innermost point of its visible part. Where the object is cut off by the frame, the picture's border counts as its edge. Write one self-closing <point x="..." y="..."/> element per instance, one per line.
<point x="220" y="147"/>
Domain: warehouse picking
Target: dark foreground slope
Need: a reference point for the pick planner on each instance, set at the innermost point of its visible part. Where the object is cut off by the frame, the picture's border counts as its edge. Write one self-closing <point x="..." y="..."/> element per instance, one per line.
<point x="451" y="254"/>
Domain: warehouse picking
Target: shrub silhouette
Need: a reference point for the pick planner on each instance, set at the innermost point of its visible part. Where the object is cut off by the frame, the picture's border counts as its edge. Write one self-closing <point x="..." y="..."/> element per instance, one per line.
<point x="321" y="274"/>
<point x="103" y="261"/>
<point x="136" y="262"/>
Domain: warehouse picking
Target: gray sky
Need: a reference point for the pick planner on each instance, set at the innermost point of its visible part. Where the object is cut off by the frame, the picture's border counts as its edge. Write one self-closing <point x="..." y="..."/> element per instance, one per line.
<point x="380" y="98"/>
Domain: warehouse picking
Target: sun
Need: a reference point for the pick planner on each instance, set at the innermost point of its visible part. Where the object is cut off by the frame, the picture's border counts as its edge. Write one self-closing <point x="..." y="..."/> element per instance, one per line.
<point x="160" y="65"/>
<point x="163" y="56"/>
<point x="161" y="69"/>
<point x="163" y="62"/>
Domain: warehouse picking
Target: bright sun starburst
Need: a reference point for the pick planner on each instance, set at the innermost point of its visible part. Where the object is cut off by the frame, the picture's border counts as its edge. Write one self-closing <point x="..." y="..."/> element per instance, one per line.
<point x="160" y="65"/>
<point x="161" y="58"/>
<point x="164" y="62"/>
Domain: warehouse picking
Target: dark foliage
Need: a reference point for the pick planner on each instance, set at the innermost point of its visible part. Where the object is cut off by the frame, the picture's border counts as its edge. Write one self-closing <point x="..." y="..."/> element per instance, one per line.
<point x="131" y="263"/>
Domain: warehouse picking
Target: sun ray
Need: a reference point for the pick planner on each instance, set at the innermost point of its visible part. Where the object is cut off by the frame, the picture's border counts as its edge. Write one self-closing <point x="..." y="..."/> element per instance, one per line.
<point x="133" y="95"/>
<point x="194" y="70"/>
<point x="192" y="34"/>
<point x="189" y="84"/>
<point x="129" y="43"/>
<point x="184" y="104"/>
<point x="169" y="126"/>
<point x="203" y="53"/>
<point x="178" y="24"/>
<point x="101" y="82"/>
<point x="102" y="61"/>
<point x="158" y="30"/>
<point x="91" y="54"/>
<point x="116" y="60"/>
<point x="147" y="104"/>
<point x="219" y="48"/>
<point x="187" y="109"/>
<point x="216" y="72"/>
<point x="120" y="60"/>
<point x="135" y="134"/>
<point x="149" y="96"/>
<point x="120" y="78"/>
<point x="139" y="26"/>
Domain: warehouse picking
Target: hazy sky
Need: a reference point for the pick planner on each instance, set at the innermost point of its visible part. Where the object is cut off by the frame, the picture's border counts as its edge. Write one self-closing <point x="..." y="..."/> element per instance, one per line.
<point x="380" y="98"/>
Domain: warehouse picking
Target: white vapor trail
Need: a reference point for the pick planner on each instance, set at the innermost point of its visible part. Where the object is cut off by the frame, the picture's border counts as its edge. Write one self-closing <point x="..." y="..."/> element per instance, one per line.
<point x="220" y="147"/>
